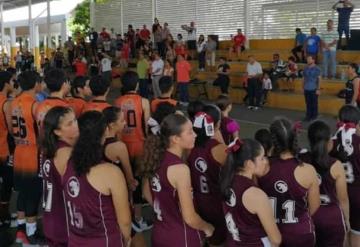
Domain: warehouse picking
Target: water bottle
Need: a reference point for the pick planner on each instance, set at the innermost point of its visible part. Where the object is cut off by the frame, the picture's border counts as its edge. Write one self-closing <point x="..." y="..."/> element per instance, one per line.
<point x="343" y="75"/>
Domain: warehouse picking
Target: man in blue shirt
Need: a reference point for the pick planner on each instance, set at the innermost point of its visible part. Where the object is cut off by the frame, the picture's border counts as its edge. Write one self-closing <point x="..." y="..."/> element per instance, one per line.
<point x="312" y="45"/>
<point x="344" y="18"/>
<point x="311" y="86"/>
<point x="299" y="45"/>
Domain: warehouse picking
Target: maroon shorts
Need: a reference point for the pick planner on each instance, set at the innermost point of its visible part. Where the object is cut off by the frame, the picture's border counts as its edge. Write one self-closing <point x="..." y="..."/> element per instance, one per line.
<point x="354" y="202"/>
<point x="293" y="240"/>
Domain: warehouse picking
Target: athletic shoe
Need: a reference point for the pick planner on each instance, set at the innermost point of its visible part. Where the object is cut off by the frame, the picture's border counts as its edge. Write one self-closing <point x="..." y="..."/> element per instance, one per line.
<point x="250" y="107"/>
<point x="136" y="226"/>
<point x="145" y="224"/>
<point x="21" y="235"/>
<point x="256" y="108"/>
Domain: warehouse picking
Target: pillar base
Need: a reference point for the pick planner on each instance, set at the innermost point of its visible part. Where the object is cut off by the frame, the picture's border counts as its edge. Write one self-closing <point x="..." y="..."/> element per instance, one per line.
<point x="13" y="52"/>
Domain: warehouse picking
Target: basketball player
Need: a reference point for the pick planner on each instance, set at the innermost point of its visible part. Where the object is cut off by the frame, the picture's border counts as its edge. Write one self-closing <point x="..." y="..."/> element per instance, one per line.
<point x="79" y="90"/>
<point x="334" y="210"/>
<point x="166" y="86"/>
<point x="168" y="185"/>
<point x="99" y="89"/>
<point x="136" y="112"/>
<point x="292" y="187"/>
<point x="60" y="134"/>
<point x="346" y="149"/>
<point x="95" y="192"/>
<point x="205" y="161"/>
<point x="248" y="213"/>
<point x="26" y="165"/>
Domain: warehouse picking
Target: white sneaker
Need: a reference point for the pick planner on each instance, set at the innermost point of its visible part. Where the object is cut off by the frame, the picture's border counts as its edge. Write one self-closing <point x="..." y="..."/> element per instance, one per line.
<point x="250" y="107"/>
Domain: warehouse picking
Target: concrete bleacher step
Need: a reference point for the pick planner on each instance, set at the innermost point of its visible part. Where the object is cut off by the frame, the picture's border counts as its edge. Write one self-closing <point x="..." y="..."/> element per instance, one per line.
<point x="284" y="100"/>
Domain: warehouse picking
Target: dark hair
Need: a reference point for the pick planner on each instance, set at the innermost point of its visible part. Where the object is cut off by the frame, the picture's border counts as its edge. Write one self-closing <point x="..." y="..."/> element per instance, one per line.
<point x="163" y="110"/>
<point x="11" y="70"/>
<point x="111" y="114"/>
<point x="291" y="58"/>
<point x="78" y="82"/>
<point x="194" y="107"/>
<point x="319" y="135"/>
<point x="284" y="137"/>
<point x="51" y="123"/>
<point x="88" y="151"/>
<point x="5" y="77"/>
<point x="98" y="85"/>
<point x="222" y="58"/>
<point x="156" y="145"/>
<point x="129" y="81"/>
<point x="297" y="30"/>
<point x="165" y="84"/>
<point x="54" y="79"/>
<point x="249" y="150"/>
<point x="223" y="101"/>
<point x="347" y="114"/>
<point x="214" y="112"/>
<point x="355" y="66"/>
<point x="28" y="79"/>
<point x="264" y="137"/>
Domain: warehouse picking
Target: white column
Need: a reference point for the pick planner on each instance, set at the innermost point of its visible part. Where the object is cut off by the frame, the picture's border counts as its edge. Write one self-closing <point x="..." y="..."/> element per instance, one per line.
<point x="153" y="5"/>
<point x="122" y="16"/>
<point x="246" y="21"/>
<point x="31" y="29"/>
<point x="36" y="36"/>
<point x="47" y="42"/>
<point x="63" y="32"/>
<point x="92" y="13"/>
<point x="13" y="36"/>
<point x="2" y="26"/>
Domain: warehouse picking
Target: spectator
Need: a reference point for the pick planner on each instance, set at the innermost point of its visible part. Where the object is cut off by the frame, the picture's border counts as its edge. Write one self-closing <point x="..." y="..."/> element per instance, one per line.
<point x="107" y="45"/>
<point x="328" y="42"/>
<point x="254" y="72"/>
<point x="278" y="68"/>
<point x="131" y="40"/>
<point x="183" y="69"/>
<point x="119" y="42"/>
<point x="201" y="49"/>
<point x="58" y="59"/>
<point x="105" y="67"/>
<point x="344" y="18"/>
<point x="144" y="35"/>
<point x="180" y="48"/>
<point x="157" y="68"/>
<point x="170" y="53"/>
<point x="211" y="52"/>
<point x="191" y="30"/>
<point x="299" y="45"/>
<point x="112" y="34"/>
<point x="142" y="69"/>
<point x="18" y="60"/>
<point x="223" y="79"/>
<point x="312" y="45"/>
<point x="352" y="95"/>
<point x="80" y="66"/>
<point x="125" y="54"/>
<point x="158" y="39"/>
<point x="311" y="86"/>
<point x="104" y="34"/>
<point x="168" y="69"/>
<point x="155" y="25"/>
<point x="93" y="36"/>
<point x="238" y="44"/>
<point x="70" y="48"/>
<point x="291" y="73"/>
<point x="267" y="86"/>
<point x="165" y="33"/>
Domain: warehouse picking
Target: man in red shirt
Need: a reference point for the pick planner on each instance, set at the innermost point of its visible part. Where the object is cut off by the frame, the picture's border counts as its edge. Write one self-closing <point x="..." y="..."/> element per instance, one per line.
<point x="183" y="69"/>
<point x="238" y="44"/>
<point x="80" y="67"/>
<point x="104" y="34"/>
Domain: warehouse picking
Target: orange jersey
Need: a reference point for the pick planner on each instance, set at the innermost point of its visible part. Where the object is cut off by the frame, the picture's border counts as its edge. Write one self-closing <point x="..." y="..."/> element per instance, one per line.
<point x="4" y="147"/>
<point x="96" y="105"/>
<point x="133" y="133"/>
<point x="45" y="106"/>
<point x="78" y="104"/>
<point x="25" y="133"/>
<point x="157" y="101"/>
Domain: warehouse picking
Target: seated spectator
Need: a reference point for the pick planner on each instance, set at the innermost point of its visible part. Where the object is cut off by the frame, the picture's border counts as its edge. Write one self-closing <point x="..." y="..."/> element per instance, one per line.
<point x="291" y="73"/>
<point x="80" y="66"/>
<point x="211" y="52"/>
<point x="299" y="45"/>
<point x="267" y="86"/>
<point x="277" y="70"/>
<point x="238" y="44"/>
<point x="168" y="69"/>
<point x="312" y="45"/>
<point x="223" y="79"/>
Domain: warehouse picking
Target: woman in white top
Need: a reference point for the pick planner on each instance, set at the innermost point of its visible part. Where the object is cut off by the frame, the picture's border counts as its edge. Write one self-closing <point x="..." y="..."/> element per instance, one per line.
<point x="201" y="49"/>
<point x="168" y="69"/>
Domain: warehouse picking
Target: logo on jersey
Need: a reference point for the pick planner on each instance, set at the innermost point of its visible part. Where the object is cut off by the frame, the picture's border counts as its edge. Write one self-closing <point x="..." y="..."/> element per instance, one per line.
<point x="155" y="183"/>
<point x="281" y="187"/>
<point x="201" y="165"/>
<point x="232" y="199"/>
<point x="73" y="187"/>
<point x="231" y="226"/>
<point x="46" y="168"/>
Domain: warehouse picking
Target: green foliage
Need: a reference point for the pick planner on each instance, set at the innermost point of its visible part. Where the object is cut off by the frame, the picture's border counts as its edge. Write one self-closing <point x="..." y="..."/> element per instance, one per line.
<point x="80" y="22"/>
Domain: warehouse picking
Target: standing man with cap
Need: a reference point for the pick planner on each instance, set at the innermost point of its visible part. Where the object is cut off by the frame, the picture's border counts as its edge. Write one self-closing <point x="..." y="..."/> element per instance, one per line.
<point x="344" y="18"/>
<point x="191" y="41"/>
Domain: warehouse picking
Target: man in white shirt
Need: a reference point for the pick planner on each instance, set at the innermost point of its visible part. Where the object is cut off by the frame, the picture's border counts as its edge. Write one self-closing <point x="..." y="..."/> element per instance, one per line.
<point x="191" y="30"/>
<point x="254" y="72"/>
<point x="328" y="43"/>
<point x="157" y="68"/>
<point x="106" y="66"/>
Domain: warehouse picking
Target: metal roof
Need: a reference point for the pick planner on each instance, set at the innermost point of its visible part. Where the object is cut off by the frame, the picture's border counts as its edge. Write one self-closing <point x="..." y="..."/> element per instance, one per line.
<point x="12" y="4"/>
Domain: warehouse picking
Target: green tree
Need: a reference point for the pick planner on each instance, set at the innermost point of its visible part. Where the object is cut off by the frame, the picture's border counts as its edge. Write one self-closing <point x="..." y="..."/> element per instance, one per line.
<point x="80" y="22"/>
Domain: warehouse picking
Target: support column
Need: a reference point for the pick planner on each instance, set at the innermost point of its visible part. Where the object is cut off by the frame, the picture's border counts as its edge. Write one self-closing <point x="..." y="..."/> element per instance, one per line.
<point x="13" y="49"/>
<point x="122" y="16"/>
<point x="47" y="39"/>
<point x="2" y="26"/>
<point x="63" y="33"/>
<point x="92" y="14"/>
<point x="31" y="30"/>
<point x="37" y="46"/>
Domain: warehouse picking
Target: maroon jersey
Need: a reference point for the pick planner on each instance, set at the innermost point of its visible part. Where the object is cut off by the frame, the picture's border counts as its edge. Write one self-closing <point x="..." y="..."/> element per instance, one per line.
<point x="205" y="172"/>
<point x="169" y="228"/>
<point x="289" y="200"/>
<point x="53" y="203"/>
<point x="244" y="228"/>
<point x="91" y="215"/>
<point x="328" y="220"/>
<point x="109" y="141"/>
